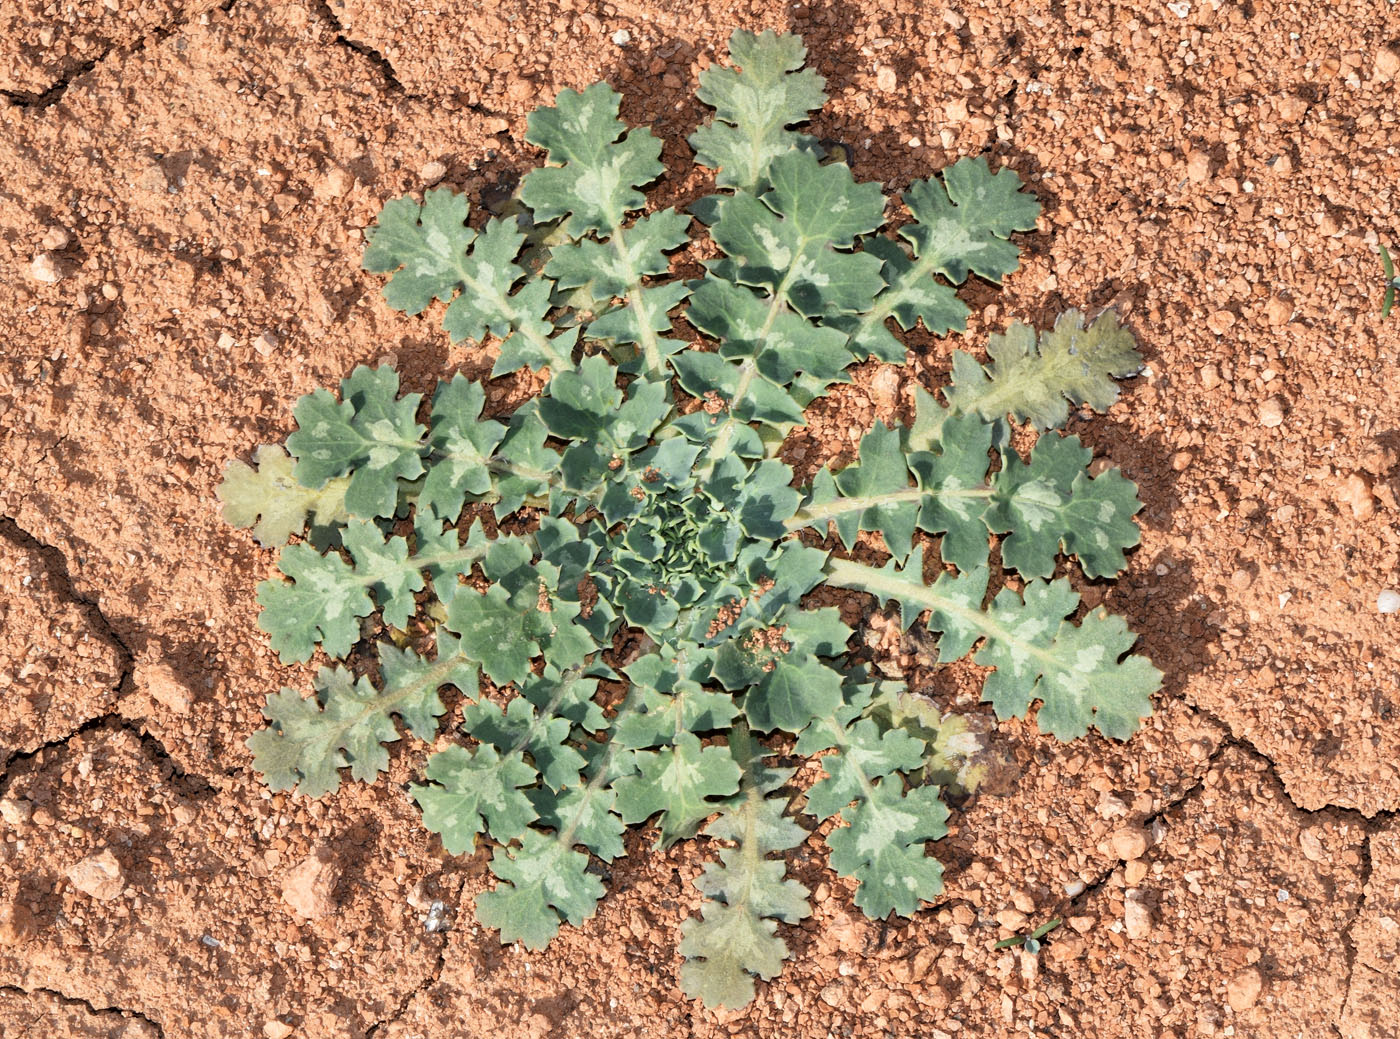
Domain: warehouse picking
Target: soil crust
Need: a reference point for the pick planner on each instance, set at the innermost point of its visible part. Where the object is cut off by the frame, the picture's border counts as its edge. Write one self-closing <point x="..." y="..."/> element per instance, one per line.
<point x="185" y="189"/>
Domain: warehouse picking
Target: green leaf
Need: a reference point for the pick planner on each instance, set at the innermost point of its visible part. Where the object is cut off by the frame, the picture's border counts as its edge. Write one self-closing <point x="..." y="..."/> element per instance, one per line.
<point x="594" y="175"/>
<point x="911" y="295"/>
<point x="865" y="754"/>
<point x="411" y="683"/>
<point x="462" y="443"/>
<point x="748" y="395"/>
<point x="745" y="893"/>
<point x="792" y="692"/>
<point x="539" y="734"/>
<point x="384" y="566"/>
<point x="883" y="848"/>
<point x="880" y="480"/>
<point x="754" y="107"/>
<point x="1033" y="381"/>
<point x="1076" y="671"/>
<point x="676" y="782"/>
<point x="423" y="244"/>
<point x="1052" y="503"/>
<point x="955" y="493"/>
<point x="523" y="463"/>
<point x="581" y="404"/>
<point x="310" y="740"/>
<point x="269" y="499"/>
<point x="569" y="694"/>
<point x="588" y="811"/>
<point x="962" y="224"/>
<point x="540" y="881"/>
<point x="492" y="629"/>
<point x="611" y="270"/>
<point x="370" y="433"/>
<point x="469" y="791"/>
<point x="323" y="603"/>
<point x="792" y="241"/>
<point x="781" y="343"/>
<point x="487" y="277"/>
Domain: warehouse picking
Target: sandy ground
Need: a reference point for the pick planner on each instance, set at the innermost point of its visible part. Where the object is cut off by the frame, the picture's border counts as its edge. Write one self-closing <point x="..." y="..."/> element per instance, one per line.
<point x="182" y="192"/>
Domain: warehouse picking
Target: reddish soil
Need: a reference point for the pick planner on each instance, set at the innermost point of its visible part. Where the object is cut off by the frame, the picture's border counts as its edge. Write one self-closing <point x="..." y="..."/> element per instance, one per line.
<point x="196" y="178"/>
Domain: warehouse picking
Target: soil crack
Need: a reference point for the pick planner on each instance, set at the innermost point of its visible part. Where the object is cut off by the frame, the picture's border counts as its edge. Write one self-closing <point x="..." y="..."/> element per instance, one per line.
<point x="56" y="563"/>
<point x="1348" y="936"/>
<point x="1081" y="900"/>
<point x="432" y="978"/>
<point x="44" y="98"/>
<point x="95" y="1011"/>
<point x="51" y="95"/>
<point x="375" y="58"/>
<point x="1247" y="746"/>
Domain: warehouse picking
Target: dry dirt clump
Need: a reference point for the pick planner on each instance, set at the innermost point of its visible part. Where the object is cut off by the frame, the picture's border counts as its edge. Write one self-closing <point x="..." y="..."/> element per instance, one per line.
<point x="180" y="234"/>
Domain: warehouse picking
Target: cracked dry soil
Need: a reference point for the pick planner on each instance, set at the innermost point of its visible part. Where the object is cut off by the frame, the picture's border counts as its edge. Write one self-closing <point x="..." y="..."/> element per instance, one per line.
<point x="196" y="178"/>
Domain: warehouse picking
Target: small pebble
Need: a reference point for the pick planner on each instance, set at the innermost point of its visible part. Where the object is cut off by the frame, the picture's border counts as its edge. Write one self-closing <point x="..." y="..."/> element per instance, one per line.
<point x="885" y="79"/>
<point x="621" y="38"/>
<point x="277" y="1030"/>
<point x="309" y="887"/>
<point x="1210" y="377"/>
<point x="1278" y="311"/>
<point x="432" y="172"/>
<point x="14" y="812"/>
<point x="165" y="688"/>
<point x="42" y="268"/>
<point x="1011" y="919"/>
<point x="1355" y="493"/>
<point x="336" y="183"/>
<point x="15" y="922"/>
<point x="1220" y="322"/>
<point x="55" y="239"/>
<point x="1129" y="843"/>
<point x="98" y="875"/>
<point x="1271" y="413"/>
<point x="1243" y="989"/>
<point x="1198" y="167"/>
<point x="1137" y="918"/>
<point x="1182" y="460"/>
<point x="265" y="343"/>
<point x="1388" y="601"/>
<point x="1387" y="63"/>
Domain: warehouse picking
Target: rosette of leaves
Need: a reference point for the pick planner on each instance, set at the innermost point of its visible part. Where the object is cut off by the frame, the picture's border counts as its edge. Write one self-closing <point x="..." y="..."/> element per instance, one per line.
<point x="646" y="495"/>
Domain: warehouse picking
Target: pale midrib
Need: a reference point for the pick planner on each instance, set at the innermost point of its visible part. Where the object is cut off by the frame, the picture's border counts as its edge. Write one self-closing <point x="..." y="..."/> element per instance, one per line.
<point x="646" y="335"/>
<point x="385" y="703"/>
<point x="830" y="510"/>
<point x="749" y="368"/>
<point x="846" y="573"/>
<point x="924" y="266"/>
<point x="1006" y="388"/>
<point x="513" y="315"/>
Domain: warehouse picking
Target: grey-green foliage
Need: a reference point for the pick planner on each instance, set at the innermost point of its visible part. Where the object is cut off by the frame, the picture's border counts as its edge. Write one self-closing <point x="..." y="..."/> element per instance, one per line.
<point x="644" y="491"/>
